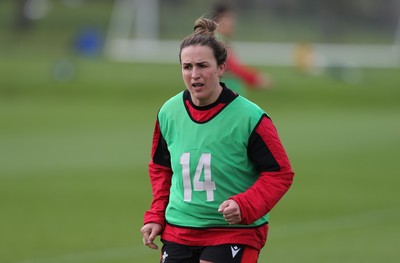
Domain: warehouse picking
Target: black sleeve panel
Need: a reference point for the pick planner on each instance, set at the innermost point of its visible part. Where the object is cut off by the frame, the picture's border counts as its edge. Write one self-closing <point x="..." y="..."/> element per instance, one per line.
<point x="260" y="154"/>
<point x="161" y="155"/>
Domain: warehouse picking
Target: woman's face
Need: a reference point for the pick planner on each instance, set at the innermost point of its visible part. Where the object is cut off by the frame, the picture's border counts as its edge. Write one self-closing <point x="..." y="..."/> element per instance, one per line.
<point x="201" y="74"/>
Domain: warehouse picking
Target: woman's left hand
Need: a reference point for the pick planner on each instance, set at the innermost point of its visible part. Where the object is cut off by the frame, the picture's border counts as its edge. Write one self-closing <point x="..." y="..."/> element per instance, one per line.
<point x="231" y="211"/>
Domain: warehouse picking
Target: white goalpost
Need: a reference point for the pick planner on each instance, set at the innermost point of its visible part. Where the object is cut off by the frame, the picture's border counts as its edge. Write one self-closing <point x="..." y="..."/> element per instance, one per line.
<point x="133" y="32"/>
<point x="396" y="43"/>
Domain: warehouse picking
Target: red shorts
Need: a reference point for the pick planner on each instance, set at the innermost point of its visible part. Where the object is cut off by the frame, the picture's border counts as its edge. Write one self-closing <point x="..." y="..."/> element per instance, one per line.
<point x="226" y="253"/>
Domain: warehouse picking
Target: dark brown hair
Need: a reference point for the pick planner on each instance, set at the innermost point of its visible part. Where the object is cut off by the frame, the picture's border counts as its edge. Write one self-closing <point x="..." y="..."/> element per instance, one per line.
<point x="203" y="35"/>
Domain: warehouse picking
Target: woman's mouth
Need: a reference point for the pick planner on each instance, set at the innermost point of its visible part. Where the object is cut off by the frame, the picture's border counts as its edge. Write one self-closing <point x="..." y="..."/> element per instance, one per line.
<point x="197" y="85"/>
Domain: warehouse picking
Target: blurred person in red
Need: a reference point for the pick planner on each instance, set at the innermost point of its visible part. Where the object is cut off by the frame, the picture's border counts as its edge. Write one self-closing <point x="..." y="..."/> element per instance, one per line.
<point x="239" y="77"/>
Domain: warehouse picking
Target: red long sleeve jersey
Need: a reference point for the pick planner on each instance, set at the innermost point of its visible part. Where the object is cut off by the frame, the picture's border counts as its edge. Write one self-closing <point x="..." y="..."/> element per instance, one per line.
<point x="275" y="177"/>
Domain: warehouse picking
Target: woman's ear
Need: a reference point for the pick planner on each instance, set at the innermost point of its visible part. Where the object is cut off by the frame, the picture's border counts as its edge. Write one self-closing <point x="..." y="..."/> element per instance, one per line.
<point x="221" y="69"/>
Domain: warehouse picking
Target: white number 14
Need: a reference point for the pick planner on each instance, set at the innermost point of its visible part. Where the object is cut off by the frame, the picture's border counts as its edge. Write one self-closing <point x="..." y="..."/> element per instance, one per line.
<point x="206" y="185"/>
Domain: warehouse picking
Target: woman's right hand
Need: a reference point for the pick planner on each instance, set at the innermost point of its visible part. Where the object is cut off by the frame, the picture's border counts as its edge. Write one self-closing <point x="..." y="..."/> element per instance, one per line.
<point x="149" y="232"/>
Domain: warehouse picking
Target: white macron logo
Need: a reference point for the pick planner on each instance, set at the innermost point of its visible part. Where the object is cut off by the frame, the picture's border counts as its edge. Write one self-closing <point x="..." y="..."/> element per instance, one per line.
<point x="235" y="250"/>
<point x="164" y="256"/>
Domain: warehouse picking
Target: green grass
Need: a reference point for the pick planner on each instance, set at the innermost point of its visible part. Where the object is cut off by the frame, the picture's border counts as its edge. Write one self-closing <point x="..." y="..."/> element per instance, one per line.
<point x="74" y="154"/>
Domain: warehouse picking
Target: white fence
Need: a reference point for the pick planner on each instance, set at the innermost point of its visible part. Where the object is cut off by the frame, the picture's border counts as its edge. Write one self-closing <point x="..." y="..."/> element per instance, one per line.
<point x="277" y="54"/>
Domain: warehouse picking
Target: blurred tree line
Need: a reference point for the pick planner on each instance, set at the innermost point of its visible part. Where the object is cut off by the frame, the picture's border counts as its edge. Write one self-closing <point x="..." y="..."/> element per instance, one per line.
<point x="385" y="12"/>
<point x="381" y="11"/>
<point x="330" y="14"/>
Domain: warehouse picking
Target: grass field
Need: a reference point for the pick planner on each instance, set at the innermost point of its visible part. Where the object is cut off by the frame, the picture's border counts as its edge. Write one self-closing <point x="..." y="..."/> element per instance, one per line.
<point x="74" y="154"/>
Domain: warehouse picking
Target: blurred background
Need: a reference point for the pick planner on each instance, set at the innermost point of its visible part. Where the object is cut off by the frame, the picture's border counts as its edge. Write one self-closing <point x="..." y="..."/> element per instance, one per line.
<point x="81" y="82"/>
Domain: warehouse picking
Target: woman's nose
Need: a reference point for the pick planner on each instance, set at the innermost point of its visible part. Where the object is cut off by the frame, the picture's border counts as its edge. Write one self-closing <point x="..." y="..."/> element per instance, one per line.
<point x="195" y="73"/>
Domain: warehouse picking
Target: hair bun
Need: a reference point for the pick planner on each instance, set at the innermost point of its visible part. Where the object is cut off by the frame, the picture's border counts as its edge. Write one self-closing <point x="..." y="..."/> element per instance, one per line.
<point x="204" y="26"/>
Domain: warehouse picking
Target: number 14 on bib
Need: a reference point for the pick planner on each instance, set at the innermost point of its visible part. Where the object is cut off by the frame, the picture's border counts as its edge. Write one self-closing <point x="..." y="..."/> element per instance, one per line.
<point x="207" y="184"/>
